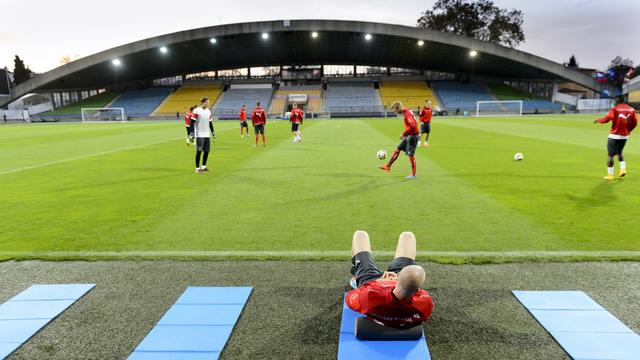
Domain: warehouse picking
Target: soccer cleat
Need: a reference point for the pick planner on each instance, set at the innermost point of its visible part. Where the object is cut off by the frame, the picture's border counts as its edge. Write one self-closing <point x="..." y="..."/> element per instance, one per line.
<point x="204" y="169"/>
<point x="352" y="283"/>
<point x="385" y="168"/>
<point x="608" y="177"/>
<point x="198" y="171"/>
<point x="411" y="177"/>
<point x="425" y="145"/>
<point x="623" y="173"/>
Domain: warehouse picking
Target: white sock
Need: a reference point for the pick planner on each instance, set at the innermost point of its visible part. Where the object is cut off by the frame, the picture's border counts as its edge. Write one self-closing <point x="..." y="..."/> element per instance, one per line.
<point x="623" y="165"/>
<point x="610" y="170"/>
<point x="203" y="167"/>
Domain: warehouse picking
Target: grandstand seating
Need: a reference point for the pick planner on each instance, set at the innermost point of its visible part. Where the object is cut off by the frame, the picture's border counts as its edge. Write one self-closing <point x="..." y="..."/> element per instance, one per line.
<point x="314" y="93"/>
<point x="353" y="99"/>
<point x="186" y="96"/>
<point x="141" y="102"/>
<point x="412" y="93"/>
<point x="96" y="101"/>
<point x="529" y="103"/>
<point x="455" y="95"/>
<point x="229" y="103"/>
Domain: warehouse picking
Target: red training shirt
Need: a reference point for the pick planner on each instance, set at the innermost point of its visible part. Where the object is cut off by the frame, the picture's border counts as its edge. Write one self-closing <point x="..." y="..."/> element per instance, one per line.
<point x="376" y="300"/>
<point x="259" y="116"/>
<point x="623" y="120"/>
<point x="296" y="115"/>
<point x="410" y="125"/>
<point x="188" y="116"/>
<point x="425" y="114"/>
<point x="243" y="115"/>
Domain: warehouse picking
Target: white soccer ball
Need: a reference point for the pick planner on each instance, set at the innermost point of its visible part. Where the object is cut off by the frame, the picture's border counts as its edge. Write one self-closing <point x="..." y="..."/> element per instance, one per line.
<point x="382" y="154"/>
<point x="518" y="156"/>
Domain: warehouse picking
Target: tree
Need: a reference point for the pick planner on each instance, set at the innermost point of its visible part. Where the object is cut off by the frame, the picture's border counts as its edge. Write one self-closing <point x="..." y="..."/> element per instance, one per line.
<point x="479" y="19"/>
<point x="572" y="61"/>
<point x="21" y="73"/>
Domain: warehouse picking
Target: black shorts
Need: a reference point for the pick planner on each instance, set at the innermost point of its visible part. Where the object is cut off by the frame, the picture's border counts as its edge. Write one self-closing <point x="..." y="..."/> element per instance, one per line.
<point x="203" y="144"/>
<point x="615" y="146"/>
<point x="425" y="128"/>
<point x="409" y="144"/>
<point x="365" y="268"/>
<point x="258" y="129"/>
<point x="295" y="126"/>
<point x="243" y="124"/>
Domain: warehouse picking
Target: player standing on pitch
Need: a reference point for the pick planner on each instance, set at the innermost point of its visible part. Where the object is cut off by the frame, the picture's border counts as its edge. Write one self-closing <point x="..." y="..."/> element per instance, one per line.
<point x="410" y="138"/>
<point x="623" y="120"/>
<point x="187" y="123"/>
<point x="425" y="123"/>
<point x="202" y="129"/>
<point x="259" y="119"/>
<point x="297" y="116"/>
<point x="244" y="128"/>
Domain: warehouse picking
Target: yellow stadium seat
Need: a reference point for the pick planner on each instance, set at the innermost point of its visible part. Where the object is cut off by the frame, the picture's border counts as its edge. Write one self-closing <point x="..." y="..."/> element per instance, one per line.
<point x="185" y="97"/>
<point x="634" y="97"/>
<point x="412" y="93"/>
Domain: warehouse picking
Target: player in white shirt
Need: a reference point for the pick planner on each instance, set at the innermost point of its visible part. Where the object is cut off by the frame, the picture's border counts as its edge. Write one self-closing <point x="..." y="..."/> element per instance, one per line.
<point x="202" y="130"/>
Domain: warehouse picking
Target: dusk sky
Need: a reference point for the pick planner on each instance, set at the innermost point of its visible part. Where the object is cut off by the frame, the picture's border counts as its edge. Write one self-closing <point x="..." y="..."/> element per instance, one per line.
<point x="43" y="32"/>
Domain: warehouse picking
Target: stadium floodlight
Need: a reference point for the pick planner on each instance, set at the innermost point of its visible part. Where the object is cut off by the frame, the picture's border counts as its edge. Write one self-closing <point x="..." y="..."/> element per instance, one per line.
<point x="265" y="36"/>
<point x="368" y="37"/>
<point x="420" y="42"/>
<point x="314" y="34"/>
<point x="473" y="53"/>
<point x="164" y="50"/>
<point x="116" y="62"/>
<point x="213" y="40"/>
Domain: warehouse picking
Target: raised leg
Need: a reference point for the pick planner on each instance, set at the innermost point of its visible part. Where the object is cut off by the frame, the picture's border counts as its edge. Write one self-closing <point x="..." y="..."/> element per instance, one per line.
<point x="360" y="242"/>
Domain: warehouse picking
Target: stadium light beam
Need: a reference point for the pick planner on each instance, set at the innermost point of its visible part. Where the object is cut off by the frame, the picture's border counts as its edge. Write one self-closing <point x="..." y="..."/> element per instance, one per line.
<point x="265" y="36"/>
<point x="368" y="37"/>
<point x="473" y="53"/>
<point x="314" y="34"/>
<point x="420" y="42"/>
<point x="116" y="62"/>
<point x="164" y="50"/>
<point x="213" y="40"/>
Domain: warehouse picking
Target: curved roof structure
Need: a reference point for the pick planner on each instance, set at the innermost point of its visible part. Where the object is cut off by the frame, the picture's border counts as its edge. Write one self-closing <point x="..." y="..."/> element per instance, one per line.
<point x="290" y="42"/>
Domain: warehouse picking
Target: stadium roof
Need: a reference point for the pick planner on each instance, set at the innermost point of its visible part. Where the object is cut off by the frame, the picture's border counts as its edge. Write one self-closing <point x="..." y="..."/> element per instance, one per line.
<point x="290" y="42"/>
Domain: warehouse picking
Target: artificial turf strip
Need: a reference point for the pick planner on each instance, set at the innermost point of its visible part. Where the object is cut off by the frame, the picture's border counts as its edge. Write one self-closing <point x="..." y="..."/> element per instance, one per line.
<point x="131" y="187"/>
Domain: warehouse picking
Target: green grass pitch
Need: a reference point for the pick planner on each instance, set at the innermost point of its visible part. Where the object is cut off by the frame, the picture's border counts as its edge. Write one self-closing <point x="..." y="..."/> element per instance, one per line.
<point x="131" y="187"/>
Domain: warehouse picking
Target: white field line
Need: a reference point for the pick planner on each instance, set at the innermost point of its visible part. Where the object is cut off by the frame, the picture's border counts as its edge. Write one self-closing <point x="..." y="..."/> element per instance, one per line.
<point x="314" y="254"/>
<point x="87" y="156"/>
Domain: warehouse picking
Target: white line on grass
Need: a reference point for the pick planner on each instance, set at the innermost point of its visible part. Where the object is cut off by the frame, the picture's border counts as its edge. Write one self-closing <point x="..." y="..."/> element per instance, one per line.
<point x="314" y="254"/>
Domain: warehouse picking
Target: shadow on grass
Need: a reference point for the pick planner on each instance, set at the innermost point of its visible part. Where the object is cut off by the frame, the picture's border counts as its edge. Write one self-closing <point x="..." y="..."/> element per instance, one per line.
<point x="600" y="195"/>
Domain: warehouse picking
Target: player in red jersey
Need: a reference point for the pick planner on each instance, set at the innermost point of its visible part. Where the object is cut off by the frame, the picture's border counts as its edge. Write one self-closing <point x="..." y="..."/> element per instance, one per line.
<point x="394" y="297"/>
<point x="425" y="123"/>
<point x="409" y="137"/>
<point x="297" y="116"/>
<point x="623" y="120"/>
<point x="244" y="128"/>
<point x="187" y="123"/>
<point x="259" y="119"/>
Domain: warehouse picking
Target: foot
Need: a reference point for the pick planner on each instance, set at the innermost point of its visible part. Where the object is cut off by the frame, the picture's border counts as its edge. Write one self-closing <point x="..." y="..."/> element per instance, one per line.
<point x="623" y="173"/>
<point x="411" y="177"/>
<point x="187" y="142"/>
<point x="353" y="283"/>
<point x="204" y="169"/>
<point x="255" y="145"/>
<point x="425" y="145"/>
<point x="385" y="168"/>
<point x="198" y="171"/>
<point x="608" y="177"/>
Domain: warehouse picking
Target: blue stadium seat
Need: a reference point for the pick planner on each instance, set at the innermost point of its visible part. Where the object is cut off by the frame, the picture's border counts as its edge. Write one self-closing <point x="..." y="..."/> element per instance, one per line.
<point x="141" y="102"/>
<point x="229" y="103"/>
<point x="353" y="98"/>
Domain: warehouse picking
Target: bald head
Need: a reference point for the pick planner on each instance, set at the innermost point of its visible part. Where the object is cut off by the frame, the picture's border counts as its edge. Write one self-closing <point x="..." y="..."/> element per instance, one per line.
<point x="410" y="279"/>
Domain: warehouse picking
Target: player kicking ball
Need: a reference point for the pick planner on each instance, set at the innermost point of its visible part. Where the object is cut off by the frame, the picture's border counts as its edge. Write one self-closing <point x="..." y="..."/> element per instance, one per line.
<point x="410" y="138"/>
<point x="202" y="130"/>
<point x="259" y="119"/>
<point x="425" y="123"/>
<point x="297" y="116"/>
<point x="623" y="120"/>
<point x="244" y="128"/>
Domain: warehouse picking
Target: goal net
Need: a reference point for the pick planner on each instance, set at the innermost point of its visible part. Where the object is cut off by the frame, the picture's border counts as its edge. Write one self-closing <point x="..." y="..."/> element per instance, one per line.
<point x="499" y="108"/>
<point x="103" y="114"/>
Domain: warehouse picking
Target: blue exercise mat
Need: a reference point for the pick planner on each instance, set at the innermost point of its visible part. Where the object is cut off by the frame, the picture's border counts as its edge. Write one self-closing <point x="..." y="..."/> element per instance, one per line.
<point x="350" y="348"/>
<point x="196" y="327"/>
<point x="583" y="328"/>
<point x="28" y="312"/>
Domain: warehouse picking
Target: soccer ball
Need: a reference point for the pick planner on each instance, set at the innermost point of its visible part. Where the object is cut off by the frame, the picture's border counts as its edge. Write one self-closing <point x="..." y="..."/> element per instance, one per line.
<point x="382" y="154"/>
<point x="518" y="156"/>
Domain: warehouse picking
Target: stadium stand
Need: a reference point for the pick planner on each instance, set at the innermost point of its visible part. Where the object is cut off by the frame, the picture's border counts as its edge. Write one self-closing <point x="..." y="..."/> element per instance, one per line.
<point x="229" y="103"/>
<point x="412" y="93"/>
<point x="281" y="98"/>
<point x="460" y="96"/>
<point x="530" y="104"/>
<point x="353" y="99"/>
<point x="186" y="96"/>
<point x="96" y="101"/>
<point x="141" y="102"/>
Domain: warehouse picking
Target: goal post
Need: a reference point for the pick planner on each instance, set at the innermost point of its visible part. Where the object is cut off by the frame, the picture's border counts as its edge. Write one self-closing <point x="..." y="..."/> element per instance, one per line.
<point x="103" y="115"/>
<point x="499" y="108"/>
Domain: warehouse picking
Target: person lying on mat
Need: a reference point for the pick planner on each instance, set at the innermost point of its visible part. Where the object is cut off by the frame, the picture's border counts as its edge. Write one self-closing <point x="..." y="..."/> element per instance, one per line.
<point x="394" y="297"/>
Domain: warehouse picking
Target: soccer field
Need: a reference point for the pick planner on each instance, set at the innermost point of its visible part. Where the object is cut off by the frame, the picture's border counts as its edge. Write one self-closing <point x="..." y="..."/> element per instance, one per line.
<point x="129" y="190"/>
